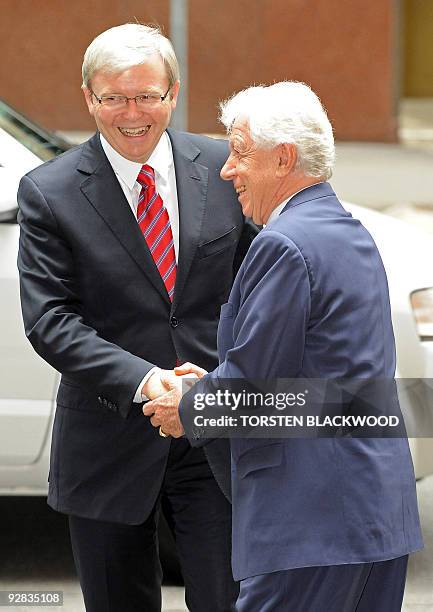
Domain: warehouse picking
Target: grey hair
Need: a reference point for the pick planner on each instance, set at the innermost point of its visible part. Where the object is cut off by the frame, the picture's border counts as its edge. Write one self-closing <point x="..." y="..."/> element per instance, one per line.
<point x="125" y="46"/>
<point x="287" y="112"/>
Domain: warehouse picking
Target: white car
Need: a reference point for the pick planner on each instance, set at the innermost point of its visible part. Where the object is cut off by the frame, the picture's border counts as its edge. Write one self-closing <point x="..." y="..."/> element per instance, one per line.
<point x="28" y="385"/>
<point x="407" y="253"/>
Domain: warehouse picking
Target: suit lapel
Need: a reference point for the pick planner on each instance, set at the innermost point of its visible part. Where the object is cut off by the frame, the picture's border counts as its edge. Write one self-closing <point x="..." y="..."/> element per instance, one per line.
<point x="192" y="185"/>
<point x="101" y="187"/>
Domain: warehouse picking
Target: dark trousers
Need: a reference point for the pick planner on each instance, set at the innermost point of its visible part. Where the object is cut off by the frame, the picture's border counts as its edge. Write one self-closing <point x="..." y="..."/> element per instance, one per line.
<point x="363" y="587"/>
<point x="118" y="565"/>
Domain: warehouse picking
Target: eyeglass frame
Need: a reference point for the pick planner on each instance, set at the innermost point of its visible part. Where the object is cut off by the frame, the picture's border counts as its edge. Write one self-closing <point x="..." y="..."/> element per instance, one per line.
<point x="127" y="98"/>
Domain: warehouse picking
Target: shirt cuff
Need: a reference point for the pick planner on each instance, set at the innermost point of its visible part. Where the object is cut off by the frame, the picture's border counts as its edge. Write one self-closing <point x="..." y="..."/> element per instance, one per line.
<point x="138" y="397"/>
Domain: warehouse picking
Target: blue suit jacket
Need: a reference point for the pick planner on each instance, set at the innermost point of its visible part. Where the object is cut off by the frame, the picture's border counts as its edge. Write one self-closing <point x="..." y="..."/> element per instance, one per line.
<point x="311" y="300"/>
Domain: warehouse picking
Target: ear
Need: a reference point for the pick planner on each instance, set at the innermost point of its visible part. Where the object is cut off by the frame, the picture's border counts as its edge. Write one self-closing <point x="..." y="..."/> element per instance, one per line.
<point x="287" y="157"/>
<point x="89" y="101"/>
<point x="174" y="94"/>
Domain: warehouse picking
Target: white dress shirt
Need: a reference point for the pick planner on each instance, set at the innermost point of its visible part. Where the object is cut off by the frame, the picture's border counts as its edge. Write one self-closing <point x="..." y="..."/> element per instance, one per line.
<point x="126" y="171"/>
<point x="161" y="160"/>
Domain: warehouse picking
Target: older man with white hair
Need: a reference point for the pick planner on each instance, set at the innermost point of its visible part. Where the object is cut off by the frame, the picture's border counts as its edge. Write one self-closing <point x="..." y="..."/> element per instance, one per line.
<point x="319" y="525"/>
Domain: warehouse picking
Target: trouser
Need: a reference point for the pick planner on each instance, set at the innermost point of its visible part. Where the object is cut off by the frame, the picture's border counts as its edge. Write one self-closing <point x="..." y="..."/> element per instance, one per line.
<point x="118" y="565"/>
<point x="362" y="587"/>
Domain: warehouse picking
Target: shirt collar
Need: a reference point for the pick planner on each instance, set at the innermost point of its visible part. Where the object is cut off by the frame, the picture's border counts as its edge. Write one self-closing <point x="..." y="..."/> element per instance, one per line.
<point x="161" y="159"/>
<point x="277" y="211"/>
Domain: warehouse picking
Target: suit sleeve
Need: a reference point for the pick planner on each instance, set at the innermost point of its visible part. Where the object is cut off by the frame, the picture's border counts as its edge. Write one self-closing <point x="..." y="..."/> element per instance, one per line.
<point x="52" y="311"/>
<point x="270" y="321"/>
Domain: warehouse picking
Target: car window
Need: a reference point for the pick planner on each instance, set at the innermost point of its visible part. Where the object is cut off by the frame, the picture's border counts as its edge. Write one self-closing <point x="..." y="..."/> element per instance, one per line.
<point x="23" y="146"/>
<point x="39" y="141"/>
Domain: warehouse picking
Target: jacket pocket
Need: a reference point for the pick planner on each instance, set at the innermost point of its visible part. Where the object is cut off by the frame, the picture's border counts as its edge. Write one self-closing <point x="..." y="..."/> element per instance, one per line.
<point x="259" y="458"/>
<point x="217" y="245"/>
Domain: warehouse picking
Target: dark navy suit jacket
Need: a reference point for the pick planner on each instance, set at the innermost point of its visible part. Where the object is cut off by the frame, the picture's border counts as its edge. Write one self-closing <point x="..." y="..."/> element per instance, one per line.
<point x="311" y="300"/>
<point x="96" y="309"/>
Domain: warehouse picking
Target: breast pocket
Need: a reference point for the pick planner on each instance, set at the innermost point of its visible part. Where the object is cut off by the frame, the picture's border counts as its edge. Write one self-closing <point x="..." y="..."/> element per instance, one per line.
<point x="219" y="244"/>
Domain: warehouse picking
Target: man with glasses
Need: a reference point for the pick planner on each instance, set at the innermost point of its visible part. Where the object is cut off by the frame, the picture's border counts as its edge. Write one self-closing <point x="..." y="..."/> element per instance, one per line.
<point x="128" y="248"/>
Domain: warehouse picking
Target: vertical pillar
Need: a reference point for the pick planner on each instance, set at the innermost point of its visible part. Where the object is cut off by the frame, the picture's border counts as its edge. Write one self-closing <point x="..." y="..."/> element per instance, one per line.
<point x="179" y="38"/>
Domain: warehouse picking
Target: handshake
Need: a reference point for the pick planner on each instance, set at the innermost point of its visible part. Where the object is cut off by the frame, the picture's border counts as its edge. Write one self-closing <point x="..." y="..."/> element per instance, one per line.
<point x="164" y="390"/>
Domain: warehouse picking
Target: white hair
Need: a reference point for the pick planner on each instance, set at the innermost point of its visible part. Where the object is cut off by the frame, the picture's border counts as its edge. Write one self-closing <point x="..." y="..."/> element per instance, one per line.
<point x="287" y="112"/>
<point x="125" y="46"/>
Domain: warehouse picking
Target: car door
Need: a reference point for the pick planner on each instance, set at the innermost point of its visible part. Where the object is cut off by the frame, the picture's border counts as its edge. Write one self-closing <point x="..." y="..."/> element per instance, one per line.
<point x="27" y="384"/>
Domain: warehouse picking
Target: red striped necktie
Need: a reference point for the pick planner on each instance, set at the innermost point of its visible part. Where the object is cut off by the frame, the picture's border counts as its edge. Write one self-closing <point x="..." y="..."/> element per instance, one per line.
<point x="153" y="220"/>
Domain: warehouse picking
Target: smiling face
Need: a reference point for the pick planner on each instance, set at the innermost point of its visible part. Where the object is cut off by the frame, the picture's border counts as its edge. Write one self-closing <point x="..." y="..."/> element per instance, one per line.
<point x="255" y="172"/>
<point x="133" y="131"/>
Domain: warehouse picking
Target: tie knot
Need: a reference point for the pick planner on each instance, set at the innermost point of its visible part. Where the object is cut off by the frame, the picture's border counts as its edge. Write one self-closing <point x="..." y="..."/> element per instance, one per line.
<point x="146" y="176"/>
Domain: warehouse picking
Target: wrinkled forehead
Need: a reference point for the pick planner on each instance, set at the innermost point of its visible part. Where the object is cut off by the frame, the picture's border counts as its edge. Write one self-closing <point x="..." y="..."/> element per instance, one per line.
<point x="240" y="131"/>
<point x="240" y="138"/>
<point x="240" y="124"/>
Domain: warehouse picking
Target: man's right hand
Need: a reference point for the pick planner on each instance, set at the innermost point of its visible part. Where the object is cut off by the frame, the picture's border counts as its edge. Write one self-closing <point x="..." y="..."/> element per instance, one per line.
<point x="154" y="386"/>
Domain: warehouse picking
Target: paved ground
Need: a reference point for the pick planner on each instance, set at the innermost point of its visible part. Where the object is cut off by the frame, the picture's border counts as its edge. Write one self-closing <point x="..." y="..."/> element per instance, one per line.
<point x="36" y="555"/>
<point x="419" y="589"/>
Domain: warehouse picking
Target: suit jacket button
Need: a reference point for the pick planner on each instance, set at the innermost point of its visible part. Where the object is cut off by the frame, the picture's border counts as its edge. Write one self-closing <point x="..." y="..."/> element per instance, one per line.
<point x="174" y="322"/>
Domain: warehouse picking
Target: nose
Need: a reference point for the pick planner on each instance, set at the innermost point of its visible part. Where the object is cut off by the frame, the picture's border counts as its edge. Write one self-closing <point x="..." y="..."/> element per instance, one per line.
<point x="228" y="170"/>
<point x="132" y="110"/>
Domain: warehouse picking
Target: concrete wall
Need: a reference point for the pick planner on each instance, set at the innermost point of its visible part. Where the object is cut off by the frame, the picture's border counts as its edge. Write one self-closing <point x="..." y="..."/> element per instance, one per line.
<point x="345" y="50"/>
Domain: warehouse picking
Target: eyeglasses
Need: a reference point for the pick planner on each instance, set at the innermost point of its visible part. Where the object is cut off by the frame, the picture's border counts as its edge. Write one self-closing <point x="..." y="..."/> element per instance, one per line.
<point x="144" y="100"/>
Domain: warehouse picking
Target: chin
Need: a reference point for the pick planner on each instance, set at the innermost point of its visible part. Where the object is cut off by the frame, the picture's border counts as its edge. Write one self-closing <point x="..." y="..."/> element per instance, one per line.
<point x="246" y="210"/>
<point x="136" y="155"/>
